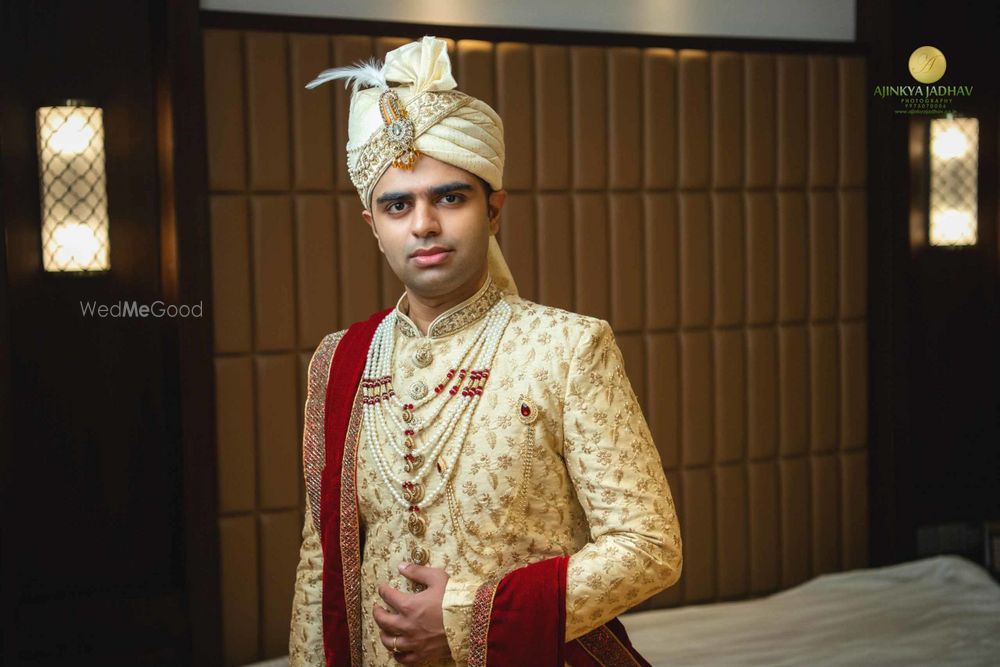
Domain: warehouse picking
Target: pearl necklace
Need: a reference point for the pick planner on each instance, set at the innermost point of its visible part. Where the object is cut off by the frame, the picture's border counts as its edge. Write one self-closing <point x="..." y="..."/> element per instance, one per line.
<point x="380" y="400"/>
<point x="405" y="420"/>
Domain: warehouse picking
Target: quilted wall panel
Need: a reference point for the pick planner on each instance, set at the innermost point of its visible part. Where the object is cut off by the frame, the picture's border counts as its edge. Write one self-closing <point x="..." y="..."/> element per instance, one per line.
<point x="710" y="205"/>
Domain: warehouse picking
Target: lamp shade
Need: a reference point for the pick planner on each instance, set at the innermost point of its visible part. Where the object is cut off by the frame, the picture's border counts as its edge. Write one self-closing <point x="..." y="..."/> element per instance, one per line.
<point x="954" y="175"/>
<point x="74" y="202"/>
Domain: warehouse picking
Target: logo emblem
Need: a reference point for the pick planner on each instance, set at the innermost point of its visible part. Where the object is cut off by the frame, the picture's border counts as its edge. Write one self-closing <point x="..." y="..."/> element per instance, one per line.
<point x="927" y="64"/>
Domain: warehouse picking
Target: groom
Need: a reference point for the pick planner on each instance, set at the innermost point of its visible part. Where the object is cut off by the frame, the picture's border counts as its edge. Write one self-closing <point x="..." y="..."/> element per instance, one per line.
<point x="482" y="485"/>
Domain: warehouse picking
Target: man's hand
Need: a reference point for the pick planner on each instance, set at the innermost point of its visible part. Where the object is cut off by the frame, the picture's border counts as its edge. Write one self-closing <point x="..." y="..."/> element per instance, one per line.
<point x="416" y="629"/>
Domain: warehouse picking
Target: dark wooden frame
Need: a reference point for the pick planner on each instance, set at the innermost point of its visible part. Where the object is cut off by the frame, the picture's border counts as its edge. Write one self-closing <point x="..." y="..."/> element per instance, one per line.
<point x="179" y="186"/>
<point x="187" y="278"/>
<point x="7" y="567"/>
<point x="902" y="264"/>
<point x="890" y="476"/>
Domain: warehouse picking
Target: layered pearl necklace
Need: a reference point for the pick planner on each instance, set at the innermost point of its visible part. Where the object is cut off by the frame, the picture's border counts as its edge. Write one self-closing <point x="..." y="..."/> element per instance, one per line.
<point x="384" y="412"/>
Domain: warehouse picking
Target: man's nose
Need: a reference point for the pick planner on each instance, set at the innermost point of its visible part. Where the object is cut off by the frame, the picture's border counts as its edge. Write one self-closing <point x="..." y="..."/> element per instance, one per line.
<point x="425" y="220"/>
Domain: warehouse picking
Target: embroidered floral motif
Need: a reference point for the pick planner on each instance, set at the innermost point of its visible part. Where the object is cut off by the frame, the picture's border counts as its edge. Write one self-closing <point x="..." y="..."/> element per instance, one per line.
<point x="406" y="328"/>
<point x="456" y="318"/>
<point x="596" y="489"/>
<point x="305" y="640"/>
<point x="367" y="162"/>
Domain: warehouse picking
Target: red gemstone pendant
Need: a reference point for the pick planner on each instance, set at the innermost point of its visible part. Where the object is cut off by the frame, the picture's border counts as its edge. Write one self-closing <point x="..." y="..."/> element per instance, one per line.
<point x="527" y="410"/>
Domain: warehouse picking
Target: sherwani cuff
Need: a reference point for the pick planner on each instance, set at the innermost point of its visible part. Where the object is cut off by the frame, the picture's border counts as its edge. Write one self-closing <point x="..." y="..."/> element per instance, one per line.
<point x="305" y="645"/>
<point x="456" y="608"/>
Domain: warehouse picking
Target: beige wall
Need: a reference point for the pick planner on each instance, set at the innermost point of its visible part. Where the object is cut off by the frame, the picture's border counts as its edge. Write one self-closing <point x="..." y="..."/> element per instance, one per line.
<point x="710" y="205"/>
<point x="762" y="19"/>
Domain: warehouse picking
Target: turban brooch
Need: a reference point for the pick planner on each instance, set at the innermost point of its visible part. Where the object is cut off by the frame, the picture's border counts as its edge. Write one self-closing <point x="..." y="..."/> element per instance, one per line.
<point x="391" y="126"/>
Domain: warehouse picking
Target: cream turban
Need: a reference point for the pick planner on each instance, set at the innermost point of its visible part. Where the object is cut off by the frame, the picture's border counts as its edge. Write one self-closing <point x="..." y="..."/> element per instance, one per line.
<point x="390" y="126"/>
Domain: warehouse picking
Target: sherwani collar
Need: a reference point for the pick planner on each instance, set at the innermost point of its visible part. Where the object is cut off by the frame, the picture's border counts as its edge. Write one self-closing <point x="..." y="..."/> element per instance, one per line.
<point x="455" y="318"/>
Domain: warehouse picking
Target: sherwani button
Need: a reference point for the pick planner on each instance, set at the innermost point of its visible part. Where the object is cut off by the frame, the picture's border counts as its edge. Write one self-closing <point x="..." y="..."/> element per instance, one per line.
<point x="418" y="389"/>
<point x="423" y="357"/>
<point x="419" y="555"/>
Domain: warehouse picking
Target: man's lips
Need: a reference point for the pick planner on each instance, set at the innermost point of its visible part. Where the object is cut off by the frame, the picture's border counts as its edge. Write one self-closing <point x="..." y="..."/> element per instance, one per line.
<point x="430" y="256"/>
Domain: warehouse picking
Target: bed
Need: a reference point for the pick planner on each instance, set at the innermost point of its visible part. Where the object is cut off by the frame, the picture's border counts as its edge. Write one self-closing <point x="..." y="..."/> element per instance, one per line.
<point x="943" y="610"/>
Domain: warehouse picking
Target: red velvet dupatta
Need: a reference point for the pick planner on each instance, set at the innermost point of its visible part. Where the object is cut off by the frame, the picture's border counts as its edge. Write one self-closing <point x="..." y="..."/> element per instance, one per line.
<point x="518" y="620"/>
<point x="521" y="620"/>
<point x="340" y="539"/>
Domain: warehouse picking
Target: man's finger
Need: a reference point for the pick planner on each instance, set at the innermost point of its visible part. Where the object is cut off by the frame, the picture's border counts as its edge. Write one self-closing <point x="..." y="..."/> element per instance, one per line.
<point x="395" y="598"/>
<point x="390" y="623"/>
<point x="400" y="642"/>
<point x="422" y="574"/>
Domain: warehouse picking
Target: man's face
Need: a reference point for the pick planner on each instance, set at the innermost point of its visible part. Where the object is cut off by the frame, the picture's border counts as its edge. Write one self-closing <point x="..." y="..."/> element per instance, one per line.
<point x="437" y="207"/>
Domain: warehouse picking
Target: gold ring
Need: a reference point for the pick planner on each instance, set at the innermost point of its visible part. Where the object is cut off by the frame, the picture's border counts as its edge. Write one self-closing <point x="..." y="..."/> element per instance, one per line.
<point x="394" y="640"/>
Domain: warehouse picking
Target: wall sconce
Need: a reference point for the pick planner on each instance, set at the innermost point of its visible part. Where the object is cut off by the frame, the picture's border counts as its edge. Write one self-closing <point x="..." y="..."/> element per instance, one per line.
<point x="954" y="176"/>
<point x="74" y="197"/>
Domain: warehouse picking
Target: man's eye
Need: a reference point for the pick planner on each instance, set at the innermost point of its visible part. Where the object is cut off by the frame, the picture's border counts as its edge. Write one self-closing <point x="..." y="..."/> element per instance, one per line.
<point x="457" y="198"/>
<point x="391" y="208"/>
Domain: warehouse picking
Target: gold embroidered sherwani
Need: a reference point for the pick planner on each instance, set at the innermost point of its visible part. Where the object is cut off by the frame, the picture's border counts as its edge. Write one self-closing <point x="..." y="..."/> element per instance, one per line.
<point x="582" y="478"/>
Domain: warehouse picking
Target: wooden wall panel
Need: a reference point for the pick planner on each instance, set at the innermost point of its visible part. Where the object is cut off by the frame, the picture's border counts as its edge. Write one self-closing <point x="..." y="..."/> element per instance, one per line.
<point x="624" y="118"/>
<point x="266" y="56"/>
<point x="588" y="72"/>
<point x="314" y="162"/>
<point x="225" y="110"/>
<point x="659" y="118"/>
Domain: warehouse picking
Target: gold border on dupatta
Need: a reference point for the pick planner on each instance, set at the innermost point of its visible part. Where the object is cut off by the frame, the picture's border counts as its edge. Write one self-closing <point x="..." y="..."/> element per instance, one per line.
<point x="314" y="432"/>
<point x="482" y="609"/>
<point x="350" y="540"/>
<point x="606" y="648"/>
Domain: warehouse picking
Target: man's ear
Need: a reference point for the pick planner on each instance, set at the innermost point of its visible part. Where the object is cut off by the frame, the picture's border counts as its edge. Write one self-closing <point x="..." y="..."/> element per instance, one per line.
<point x="370" y="221"/>
<point x="493" y="208"/>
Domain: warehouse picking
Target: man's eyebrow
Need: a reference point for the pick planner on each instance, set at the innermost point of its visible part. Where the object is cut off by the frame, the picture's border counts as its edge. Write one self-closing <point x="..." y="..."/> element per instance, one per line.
<point x="449" y="187"/>
<point x="435" y="190"/>
<point x="393" y="196"/>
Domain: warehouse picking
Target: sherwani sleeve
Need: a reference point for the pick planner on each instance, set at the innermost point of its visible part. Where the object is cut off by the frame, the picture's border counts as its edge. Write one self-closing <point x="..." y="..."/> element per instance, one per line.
<point x="635" y="545"/>
<point x="456" y="608"/>
<point x="305" y="643"/>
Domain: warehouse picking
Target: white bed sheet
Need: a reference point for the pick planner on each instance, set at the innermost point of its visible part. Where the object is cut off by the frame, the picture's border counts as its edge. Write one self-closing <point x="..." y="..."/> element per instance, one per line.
<point x="943" y="610"/>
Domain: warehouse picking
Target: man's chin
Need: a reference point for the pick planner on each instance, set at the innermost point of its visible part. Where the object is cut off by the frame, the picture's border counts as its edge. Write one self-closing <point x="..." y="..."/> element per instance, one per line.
<point x="432" y="281"/>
